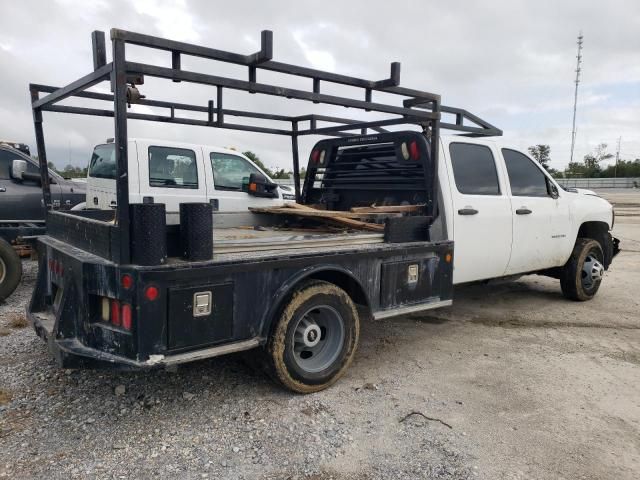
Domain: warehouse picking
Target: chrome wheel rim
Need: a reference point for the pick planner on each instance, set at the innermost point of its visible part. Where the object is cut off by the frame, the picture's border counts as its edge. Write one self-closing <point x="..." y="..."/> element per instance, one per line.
<point x="592" y="271"/>
<point x="318" y="338"/>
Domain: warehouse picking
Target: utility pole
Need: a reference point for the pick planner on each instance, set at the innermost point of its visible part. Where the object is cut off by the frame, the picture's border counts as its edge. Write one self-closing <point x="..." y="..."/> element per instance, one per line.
<point x="575" y="97"/>
<point x="615" y="169"/>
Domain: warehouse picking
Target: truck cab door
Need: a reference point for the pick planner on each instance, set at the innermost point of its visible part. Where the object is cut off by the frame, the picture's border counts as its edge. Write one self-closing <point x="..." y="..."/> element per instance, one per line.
<point x="171" y="175"/>
<point x="230" y="174"/>
<point x="21" y="199"/>
<point x="541" y="223"/>
<point x="481" y="212"/>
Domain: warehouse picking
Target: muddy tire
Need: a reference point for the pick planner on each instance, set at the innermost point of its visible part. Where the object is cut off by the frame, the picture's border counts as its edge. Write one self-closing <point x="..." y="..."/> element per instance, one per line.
<point x="581" y="276"/>
<point x="10" y="269"/>
<point x="315" y="338"/>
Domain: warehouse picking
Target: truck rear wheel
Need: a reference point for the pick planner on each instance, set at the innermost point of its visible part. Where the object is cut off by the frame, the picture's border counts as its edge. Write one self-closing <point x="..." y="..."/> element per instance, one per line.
<point x="581" y="276"/>
<point x="315" y="338"/>
<point x="10" y="269"/>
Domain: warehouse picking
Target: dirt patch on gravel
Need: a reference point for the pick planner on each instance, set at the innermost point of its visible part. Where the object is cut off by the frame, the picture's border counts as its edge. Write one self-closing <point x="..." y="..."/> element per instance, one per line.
<point x="17" y="320"/>
<point x="5" y="396"/>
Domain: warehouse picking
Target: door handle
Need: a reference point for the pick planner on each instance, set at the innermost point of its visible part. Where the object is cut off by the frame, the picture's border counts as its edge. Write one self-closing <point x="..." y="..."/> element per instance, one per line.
<point x="3" y="189"/>
<point x="467" y="211"/>
<point x="523" y="211"/>
<point x="113" y="204"/>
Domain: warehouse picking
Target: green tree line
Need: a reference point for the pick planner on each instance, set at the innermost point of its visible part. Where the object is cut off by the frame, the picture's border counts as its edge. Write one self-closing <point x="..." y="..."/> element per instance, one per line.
<point x="591" y="165"/>
<point x="69" y="171"/>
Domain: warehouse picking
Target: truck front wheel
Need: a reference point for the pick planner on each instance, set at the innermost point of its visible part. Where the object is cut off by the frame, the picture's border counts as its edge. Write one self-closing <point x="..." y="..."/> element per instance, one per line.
<point x="10" y="269"/>
<point x="315" y="338"/>
<point x="581" y="276"/>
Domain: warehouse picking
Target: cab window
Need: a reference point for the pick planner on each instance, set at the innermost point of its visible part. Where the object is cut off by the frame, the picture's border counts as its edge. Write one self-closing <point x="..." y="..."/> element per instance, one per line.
<point x="526" y="179"/>
<point x="474" y="169"/>
<point x="171" y="167"/>
<point x="230" y="172"/>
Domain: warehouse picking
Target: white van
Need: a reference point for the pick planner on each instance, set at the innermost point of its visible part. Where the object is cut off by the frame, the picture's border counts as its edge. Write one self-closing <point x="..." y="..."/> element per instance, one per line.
<point x="173" y="173"/>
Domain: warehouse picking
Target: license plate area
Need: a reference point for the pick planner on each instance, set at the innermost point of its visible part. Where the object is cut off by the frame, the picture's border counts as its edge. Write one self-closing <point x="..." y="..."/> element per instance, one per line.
<point x="200" y="315"/>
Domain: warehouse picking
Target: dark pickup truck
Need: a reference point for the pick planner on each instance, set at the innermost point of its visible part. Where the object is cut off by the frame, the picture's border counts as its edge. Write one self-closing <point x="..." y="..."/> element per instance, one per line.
<point x="22" y="211"/>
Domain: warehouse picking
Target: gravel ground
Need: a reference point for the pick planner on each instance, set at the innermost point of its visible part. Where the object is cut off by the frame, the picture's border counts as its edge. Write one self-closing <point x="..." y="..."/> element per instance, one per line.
<point x="511" y="382"/>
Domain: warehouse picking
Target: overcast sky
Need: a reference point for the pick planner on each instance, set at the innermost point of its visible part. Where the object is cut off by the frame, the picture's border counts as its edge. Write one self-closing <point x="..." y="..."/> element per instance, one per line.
<point x="511" y="62"/>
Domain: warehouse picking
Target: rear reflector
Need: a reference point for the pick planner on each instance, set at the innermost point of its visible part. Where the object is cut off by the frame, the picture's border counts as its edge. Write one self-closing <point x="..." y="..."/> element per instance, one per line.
<point x="315" y="156"/>
<point x="126" y="316"/>
<point x="151" y="293"/>
<point x="126" y="281"/>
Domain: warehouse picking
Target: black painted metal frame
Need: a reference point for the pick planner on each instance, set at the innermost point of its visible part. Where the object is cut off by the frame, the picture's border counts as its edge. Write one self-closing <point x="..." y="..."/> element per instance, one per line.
<point x="417" y="108"/>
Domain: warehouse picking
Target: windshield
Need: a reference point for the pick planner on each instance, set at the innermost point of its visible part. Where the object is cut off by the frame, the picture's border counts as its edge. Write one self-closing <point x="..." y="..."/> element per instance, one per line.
<point x="231" y="172"/>
<point x="103" y="162"/>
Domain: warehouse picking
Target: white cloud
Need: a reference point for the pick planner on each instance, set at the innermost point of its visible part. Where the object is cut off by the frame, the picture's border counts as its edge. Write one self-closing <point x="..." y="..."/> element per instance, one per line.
<point x="172" y="17"/>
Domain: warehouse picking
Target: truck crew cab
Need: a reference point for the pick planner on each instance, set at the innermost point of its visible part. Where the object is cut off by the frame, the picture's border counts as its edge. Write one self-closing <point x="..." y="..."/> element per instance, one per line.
<point x="385" y="223"/>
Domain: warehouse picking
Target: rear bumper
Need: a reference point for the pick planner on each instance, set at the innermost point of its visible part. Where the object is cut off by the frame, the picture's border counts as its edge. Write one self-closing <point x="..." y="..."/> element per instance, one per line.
<point x="72" y="353"/>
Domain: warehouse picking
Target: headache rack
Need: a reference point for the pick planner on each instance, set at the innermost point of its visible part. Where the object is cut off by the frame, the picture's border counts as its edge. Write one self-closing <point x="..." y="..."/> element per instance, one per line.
<point x="415" y="107"/>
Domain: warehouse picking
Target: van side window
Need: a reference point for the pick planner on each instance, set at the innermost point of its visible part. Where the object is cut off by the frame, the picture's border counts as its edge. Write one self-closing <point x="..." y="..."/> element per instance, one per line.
<point x="171" y="167"/>
<point x="526" y="179"/>
<point x="474" y="169"/>
<point x="230" y="172"/>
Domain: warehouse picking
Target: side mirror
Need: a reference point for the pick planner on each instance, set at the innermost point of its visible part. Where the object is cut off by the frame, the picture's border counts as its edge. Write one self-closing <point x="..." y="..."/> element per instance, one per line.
<point x="18" y="169"/>
<point x="260" y="186"/>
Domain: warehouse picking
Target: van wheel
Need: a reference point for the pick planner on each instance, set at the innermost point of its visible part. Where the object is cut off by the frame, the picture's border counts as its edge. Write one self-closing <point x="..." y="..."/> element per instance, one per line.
<point x="581" y="276"/>
<point x="315" y="338"/>
<point x="10" y="269"/>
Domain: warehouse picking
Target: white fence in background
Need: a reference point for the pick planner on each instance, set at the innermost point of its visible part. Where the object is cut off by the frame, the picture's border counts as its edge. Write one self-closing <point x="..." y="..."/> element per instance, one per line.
<point x="591" y="183"/>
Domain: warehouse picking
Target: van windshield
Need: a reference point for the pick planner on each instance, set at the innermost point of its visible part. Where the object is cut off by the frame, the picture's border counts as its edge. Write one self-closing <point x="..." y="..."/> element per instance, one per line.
<point x="103" y="162"/>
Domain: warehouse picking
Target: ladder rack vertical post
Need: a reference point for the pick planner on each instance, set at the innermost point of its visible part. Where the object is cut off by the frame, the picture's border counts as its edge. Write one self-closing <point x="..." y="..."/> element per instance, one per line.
<point x="42" y="154"/>
<point x="296" y="159"/>
<point x="435" y="149"/>
<point x="119" y="87"/>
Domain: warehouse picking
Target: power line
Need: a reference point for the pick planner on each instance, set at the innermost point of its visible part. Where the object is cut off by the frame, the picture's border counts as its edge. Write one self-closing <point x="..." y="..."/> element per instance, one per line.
<point x="575" y="96"/>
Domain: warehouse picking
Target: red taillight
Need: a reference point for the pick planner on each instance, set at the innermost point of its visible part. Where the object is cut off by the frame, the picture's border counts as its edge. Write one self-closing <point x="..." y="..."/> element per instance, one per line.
<point x="126" y="281"/>
<point x="414" y="151"/>
<point x="315" y="156"/>
<point x="126" y="316"/>
<point x="115" y="313"/>
<point x="151" y="293"/>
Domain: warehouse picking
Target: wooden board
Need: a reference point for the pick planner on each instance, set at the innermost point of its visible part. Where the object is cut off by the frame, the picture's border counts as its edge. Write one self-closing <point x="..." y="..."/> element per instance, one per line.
<point x="389" y="209"/>
<point x="343" y="218"/>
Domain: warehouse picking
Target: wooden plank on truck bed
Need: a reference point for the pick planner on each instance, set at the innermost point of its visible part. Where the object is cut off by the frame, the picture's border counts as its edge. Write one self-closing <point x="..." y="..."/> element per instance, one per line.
<point x="389" y="209"/>
<point x="326" y="215"/>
